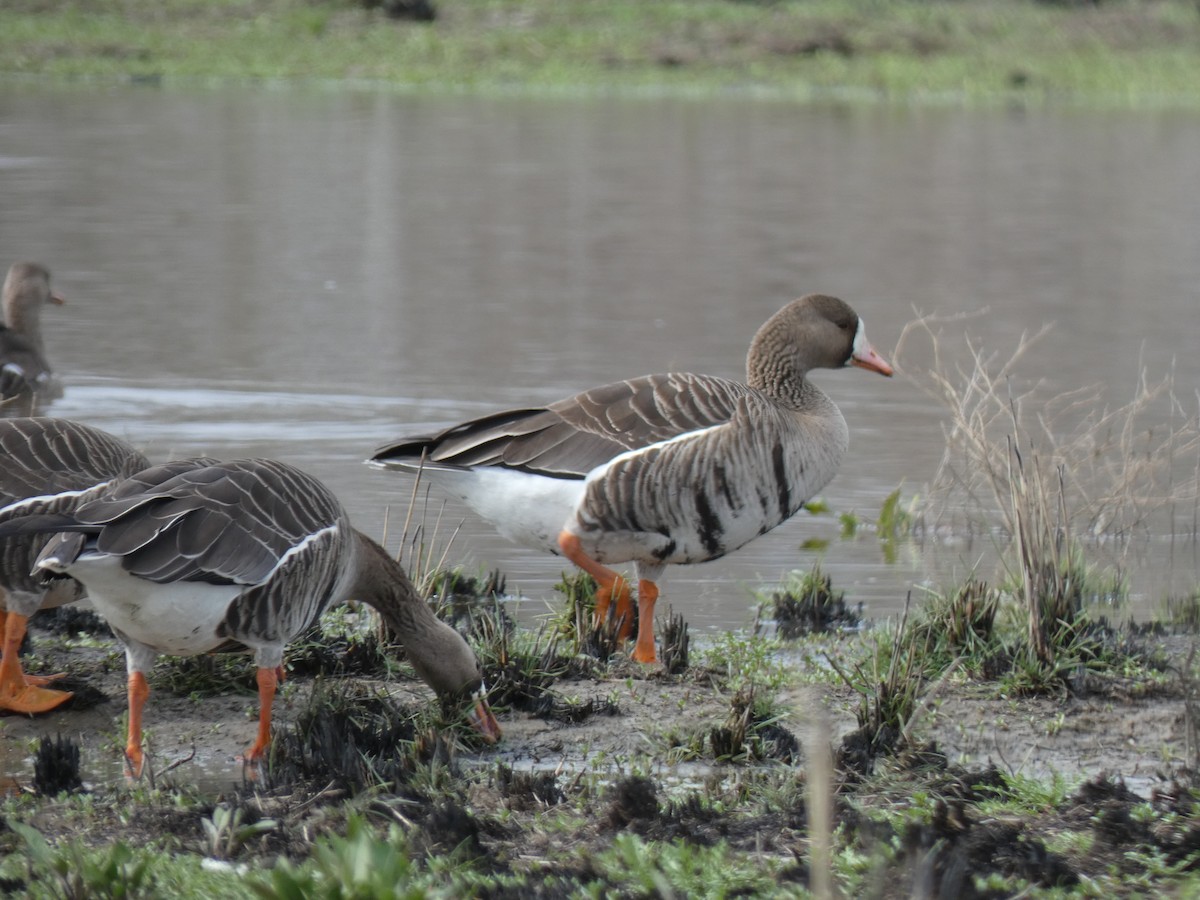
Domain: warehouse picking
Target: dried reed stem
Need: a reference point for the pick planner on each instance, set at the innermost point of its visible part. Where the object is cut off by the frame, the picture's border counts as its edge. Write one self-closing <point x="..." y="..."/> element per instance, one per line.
<point x="1119" y="467"/>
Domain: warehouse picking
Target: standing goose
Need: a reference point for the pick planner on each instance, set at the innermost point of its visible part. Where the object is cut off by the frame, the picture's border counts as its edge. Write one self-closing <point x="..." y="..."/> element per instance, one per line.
<point x="199" y="555"/>
<point x="46" y="465"/>
<point x="677" y="468"/>
<point x="24" y="371"/>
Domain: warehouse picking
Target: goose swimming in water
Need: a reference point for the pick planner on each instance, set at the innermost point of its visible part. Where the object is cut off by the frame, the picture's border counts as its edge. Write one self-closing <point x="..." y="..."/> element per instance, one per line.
<point x="661" y="469"/>
<point x="25" y="374"/>
<point x="197" y="555"/>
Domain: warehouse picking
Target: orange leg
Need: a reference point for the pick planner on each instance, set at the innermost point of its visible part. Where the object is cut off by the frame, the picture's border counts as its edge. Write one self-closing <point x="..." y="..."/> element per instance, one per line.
<point x="138" y="691"/>
<point x="20" y="692"/>
<point x="622" y="612"/>
<point x="268" y="681"/>
<point x="610" y="585"/>
<point x="643" y="650"/>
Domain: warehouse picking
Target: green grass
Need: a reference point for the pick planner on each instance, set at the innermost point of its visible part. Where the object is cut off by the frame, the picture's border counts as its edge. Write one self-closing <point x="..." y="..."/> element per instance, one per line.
<point x="1116" y="53"/>
<point x="640" y="869"/>
<point x="72" y="870"/>
<point x="741" y="661"/>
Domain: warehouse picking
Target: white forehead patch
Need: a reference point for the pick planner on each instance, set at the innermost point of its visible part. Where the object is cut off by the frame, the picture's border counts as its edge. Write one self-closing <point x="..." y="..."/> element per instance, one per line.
<point x="860" y="341"/>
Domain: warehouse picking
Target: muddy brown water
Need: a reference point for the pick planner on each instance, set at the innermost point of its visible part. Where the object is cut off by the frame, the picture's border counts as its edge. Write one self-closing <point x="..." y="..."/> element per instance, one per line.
<point x="305" y="273"/>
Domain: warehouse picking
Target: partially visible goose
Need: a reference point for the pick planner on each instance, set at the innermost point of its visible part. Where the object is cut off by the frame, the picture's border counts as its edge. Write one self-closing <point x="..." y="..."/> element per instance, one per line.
<point x="24" y="370"/>
<point x="199" y="555"/>
<point x="45" y="465"/>
<point x="676" y="468"/>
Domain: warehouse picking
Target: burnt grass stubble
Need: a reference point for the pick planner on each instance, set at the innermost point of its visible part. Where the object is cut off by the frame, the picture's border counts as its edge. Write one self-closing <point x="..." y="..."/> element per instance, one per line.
<point x="352" y="745"/>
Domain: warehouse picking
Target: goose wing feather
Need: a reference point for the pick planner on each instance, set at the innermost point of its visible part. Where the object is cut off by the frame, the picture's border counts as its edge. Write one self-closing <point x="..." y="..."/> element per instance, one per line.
<point x="574" y="436"/>
<point x="50" y="456"/>
<point x="234" y="529"/>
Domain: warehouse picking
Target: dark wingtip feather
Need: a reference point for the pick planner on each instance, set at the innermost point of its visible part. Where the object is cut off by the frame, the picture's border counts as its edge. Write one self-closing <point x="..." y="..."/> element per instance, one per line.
<point x="406" y="449"/>
<point x="46" y="523"/>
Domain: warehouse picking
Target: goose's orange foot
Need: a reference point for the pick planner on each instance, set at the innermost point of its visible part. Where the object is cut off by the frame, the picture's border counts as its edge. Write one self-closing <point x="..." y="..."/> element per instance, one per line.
<point x="43" y="680"/>
<point x="30" y="699"/>
<point x="611" y="586"/>
<point x="135" y="761"/>
<point x="624" y="613"/>
<point x="20" y="692"/>
<point x="643" y="654"/>
<point x="615" y="602"/>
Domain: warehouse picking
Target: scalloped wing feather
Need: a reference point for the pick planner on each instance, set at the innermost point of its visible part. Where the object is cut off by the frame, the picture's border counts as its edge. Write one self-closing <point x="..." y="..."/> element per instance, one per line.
<point x="575" y="435"/>
<point x="222" y="524"/>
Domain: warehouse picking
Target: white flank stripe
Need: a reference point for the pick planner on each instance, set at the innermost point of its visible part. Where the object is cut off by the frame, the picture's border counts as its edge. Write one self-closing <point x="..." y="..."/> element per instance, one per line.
<point x="299" y="548"/>
<point x="601" y="471"/>
<point x="45" y="498"/>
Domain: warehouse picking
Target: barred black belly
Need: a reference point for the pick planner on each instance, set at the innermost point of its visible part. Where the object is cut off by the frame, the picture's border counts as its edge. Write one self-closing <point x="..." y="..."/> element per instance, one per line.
<point x="292" y="599"/>
<point x="687" y="507"/>
<point x="19" y="552"/>
<point x="17" y="555"/>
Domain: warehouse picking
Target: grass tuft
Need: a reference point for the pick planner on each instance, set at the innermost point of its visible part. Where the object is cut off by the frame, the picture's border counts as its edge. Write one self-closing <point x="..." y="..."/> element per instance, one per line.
<point x="1052" y="478"/>
<point x="56" y="767"/>
<point x="675" y="645"/>
<point x="806" y="604"/>
<point x="752" y="733"/>
<point x="1092" y="468"/>
<point x="353" y="736"/>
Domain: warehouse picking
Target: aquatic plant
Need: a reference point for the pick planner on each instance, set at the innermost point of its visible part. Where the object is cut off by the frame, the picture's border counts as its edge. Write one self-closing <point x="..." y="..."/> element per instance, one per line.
<point x="890" y="686"/>
<point x="1116" y="54"/>
<point x="738" y="660"/>
<point x="576" y="620"/>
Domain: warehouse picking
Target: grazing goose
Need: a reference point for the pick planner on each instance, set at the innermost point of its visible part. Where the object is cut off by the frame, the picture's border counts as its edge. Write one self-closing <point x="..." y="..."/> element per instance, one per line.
<point x="24" y="370"/>
<point x="198" y="555"/>
<point x="45" y="465"/>
<point x="677" y="468"/>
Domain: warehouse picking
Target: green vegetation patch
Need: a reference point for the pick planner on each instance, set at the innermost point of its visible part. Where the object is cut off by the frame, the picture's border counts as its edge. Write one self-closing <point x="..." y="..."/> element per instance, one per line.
<point x="1111" y="53"/>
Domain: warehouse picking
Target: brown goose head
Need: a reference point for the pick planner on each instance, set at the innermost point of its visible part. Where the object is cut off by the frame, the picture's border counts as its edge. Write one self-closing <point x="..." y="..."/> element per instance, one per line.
<point x="438" y="653"/>
<point x="26" y="290"/>
<point x="444" y="661"/>
<point x="815" y="332"/>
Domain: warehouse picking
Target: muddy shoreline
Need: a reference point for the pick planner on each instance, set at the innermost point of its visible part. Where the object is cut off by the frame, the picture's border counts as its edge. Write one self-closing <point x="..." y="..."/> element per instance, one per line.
<point x="624" y="750"/>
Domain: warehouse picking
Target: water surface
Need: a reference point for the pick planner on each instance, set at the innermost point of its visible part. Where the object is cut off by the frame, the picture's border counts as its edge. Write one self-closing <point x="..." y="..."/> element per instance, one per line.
<point x="306" y="274"/>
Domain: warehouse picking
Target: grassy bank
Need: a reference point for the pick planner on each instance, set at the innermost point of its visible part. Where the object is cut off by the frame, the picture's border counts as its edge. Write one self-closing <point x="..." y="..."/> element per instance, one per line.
<point x="1113" y="53"/>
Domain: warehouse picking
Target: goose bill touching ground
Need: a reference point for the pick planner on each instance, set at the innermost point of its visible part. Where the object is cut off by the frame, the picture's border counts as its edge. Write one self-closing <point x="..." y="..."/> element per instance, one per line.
<point x="662" y="469"/>
<point x="198" y="555"/>
<point x="45" y="465"/>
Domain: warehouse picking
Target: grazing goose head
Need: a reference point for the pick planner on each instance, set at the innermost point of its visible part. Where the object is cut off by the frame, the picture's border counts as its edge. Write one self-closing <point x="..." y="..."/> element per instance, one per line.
<point x="439" y="655"/>
<point x="663" y="469"/>
<point x="24" y="369"/>
<point x="199" y="555"/>
<point x="40" y="459"/>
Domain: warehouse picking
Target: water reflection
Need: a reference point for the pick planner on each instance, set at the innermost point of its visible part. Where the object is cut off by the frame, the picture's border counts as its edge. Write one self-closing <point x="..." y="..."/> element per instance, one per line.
<point x="307" y="273"/>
